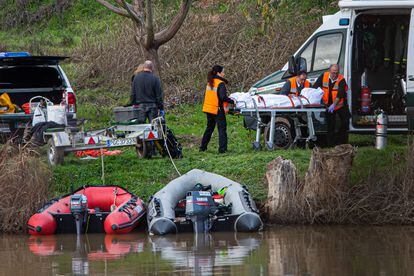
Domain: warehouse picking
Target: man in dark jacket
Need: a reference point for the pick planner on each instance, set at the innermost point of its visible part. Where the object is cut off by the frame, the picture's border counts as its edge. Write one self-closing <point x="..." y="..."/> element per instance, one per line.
<point x="334" y="87"/>
<point x="147" y="94"/>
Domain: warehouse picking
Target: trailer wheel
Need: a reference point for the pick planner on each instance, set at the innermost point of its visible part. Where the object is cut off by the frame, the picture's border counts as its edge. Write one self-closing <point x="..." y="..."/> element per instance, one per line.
<point x="144" y="149"/>
<point x="283" y="138"/>
<point x="55" y="155"/>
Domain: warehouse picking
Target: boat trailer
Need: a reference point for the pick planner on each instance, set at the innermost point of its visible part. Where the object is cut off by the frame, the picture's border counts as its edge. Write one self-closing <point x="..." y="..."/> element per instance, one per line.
<point x="143" y="137"/>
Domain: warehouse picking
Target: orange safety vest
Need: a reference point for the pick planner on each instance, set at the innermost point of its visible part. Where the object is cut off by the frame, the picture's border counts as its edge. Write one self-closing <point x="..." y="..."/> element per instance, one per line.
<point x="325" y="88"/>
<point x="211" y="99"/>
<point x="294" y="86"/>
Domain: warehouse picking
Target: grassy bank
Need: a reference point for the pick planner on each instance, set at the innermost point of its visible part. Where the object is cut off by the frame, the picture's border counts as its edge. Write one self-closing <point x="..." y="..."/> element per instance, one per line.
<point x="241" y="163"/>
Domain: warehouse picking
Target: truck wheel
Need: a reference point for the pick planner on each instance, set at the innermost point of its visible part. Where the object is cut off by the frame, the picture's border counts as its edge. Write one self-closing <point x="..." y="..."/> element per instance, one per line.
<point x="283" y="138"/>
<point x="55" y="154"/>
<point x="144" y="149"/>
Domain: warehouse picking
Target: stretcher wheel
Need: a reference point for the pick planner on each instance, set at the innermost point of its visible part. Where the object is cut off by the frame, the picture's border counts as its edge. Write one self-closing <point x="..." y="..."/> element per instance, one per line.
<point x="144" y="149"/>
<point x="283" y="138"/>
<point x="55" y="155"/>
<point x="257" y="146"/>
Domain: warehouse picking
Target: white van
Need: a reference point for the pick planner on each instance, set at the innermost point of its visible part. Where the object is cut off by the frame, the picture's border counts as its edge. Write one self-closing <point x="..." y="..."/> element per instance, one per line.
<point x="373" y="41"/>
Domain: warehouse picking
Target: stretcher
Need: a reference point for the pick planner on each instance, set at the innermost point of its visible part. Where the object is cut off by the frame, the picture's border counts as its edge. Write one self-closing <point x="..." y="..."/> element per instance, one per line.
<point x="312" y="112"/>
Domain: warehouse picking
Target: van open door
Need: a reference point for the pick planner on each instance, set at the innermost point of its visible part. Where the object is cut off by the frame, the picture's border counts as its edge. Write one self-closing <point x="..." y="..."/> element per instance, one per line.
<point x="410" y="75"/>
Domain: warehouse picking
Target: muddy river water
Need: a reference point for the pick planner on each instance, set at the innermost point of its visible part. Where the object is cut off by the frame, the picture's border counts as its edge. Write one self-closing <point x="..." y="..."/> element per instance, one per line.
<point x="335" y="251"/>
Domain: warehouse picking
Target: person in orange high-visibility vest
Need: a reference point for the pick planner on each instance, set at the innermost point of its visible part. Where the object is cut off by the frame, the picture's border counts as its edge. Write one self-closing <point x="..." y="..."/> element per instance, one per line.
<point x="294" y="85"/>
<point x="215" y="102"/>
<point x="335" y="88"/>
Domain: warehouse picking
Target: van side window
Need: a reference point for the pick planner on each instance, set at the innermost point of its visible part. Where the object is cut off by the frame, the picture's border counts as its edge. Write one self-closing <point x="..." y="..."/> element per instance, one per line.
<point x="307" y="54"/>
<point x="328" y="50"/>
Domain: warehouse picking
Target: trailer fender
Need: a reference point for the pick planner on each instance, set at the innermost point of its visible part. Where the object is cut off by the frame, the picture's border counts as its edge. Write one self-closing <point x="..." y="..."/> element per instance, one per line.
<point x="60" y="138"/>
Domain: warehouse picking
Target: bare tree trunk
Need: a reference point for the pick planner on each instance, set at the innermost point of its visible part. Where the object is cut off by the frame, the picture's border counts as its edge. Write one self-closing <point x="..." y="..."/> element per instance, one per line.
<point x="141" y="13"/>
<point x="152" y="55"/>
<point x="282" y="181"/>
<point x="328" y="173"/>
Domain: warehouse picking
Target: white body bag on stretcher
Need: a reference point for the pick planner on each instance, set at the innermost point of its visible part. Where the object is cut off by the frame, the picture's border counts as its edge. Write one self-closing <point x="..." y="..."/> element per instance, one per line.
<point x="308" y="97"/>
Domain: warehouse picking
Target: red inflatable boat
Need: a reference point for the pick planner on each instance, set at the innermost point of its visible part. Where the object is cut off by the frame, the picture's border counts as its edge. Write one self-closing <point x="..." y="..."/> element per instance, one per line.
<point x="90" y="209"/>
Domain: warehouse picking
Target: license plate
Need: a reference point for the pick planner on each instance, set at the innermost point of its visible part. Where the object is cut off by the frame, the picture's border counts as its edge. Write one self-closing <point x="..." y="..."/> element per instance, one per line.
<point x="121" y="142"/>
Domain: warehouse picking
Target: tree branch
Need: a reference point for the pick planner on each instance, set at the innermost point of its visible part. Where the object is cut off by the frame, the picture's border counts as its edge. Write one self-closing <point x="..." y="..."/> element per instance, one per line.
<point x="130" y="9"/>
<point x="113" y="8"/>
<point x="169" y="32"/>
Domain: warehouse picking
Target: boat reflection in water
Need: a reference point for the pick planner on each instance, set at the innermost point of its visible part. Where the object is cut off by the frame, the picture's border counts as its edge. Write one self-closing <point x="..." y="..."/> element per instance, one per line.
<point x="91" y="247"/>
<point x="200" y="254"/>
<point x="206" y="253"/>
<point x="287" y="250"/>
<point x="86" y="248"/>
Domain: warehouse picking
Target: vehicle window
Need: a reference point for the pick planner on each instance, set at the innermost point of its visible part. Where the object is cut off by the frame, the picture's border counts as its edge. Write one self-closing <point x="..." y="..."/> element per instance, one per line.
<point x="307" y="54"/>
<point x="29" y="77"/>
<point x="328" y="50"/>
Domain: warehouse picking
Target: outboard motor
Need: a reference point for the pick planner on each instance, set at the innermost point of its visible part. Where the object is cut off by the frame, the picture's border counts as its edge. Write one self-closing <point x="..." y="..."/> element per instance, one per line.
<point x="200" y="208"/>
<point x="381" y="130"/>
<point x="79" y="208"/>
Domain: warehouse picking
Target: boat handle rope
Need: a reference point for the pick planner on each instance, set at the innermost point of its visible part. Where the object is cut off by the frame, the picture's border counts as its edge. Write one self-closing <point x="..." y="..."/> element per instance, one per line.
<point x="131" y="204"/>
<point x="246" y="197"/>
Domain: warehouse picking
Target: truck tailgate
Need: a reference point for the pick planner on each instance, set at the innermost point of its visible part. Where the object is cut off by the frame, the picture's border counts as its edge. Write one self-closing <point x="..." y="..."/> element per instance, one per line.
<point x="19" y="120"/>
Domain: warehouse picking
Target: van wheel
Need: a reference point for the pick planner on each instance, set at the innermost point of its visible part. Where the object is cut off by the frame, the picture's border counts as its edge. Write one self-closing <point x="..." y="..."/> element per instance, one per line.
<point x="55" y="155"/>
<point x="283" y="138"/>
<point x="143" y="149"/>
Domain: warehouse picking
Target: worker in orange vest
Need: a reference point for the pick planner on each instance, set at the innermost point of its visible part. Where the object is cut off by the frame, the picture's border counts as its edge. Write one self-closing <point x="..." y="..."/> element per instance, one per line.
<point x="294" y="85"/>
<point x="334" y="87"/>
<point x="215" y="102"/>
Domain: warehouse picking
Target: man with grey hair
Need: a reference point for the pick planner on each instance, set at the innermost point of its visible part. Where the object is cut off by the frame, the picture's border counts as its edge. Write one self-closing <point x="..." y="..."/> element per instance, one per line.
<point x="334" y="87"/>
<point x="147" y="95"/>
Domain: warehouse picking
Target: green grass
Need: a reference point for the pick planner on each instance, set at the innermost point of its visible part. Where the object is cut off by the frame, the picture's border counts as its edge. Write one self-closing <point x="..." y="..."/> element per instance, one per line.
<point x="59" y="34"/>
<point x="241" y="163"/>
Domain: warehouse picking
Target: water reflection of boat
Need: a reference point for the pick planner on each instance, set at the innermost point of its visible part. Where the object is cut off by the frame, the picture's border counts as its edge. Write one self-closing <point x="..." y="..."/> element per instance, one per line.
<point x="91" y="247"/>
<point x="43" y="246"/>
<point x="117" y="246"/>
<point x="201" y="253"/>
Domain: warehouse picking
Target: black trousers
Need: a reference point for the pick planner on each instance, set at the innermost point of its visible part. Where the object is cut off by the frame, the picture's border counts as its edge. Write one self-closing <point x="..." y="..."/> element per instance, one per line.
<point x="212" y="120"/>
<point x="340" y="137"/>
<point x="146" y="111"/>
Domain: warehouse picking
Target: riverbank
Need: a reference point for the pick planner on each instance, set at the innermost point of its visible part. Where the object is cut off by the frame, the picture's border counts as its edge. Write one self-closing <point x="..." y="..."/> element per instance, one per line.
<point x="380" y="188"/>
<point x="241" y="163"/>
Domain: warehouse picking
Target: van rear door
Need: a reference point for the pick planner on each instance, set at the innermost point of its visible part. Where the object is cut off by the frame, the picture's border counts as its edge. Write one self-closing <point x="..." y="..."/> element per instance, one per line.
<point x="410" y="75"/>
